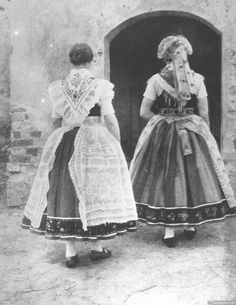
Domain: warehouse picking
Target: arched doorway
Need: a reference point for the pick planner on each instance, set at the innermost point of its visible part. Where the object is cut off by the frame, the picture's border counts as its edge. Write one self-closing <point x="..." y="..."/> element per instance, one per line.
<point x="130" y="59"/>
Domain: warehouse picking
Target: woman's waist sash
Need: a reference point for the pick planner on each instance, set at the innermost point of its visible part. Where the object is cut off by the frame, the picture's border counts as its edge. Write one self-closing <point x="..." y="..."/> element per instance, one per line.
<point x="175" y="111"/>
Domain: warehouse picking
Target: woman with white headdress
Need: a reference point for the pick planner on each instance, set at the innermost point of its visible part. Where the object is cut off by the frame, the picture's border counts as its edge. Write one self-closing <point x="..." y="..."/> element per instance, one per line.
<point x="82" y="190"/>
<point x="178" y="175"/>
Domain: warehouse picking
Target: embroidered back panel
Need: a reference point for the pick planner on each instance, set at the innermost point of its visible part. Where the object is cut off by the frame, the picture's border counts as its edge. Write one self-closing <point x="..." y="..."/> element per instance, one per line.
<point x="77" y="95"/>
<point x="76" y="88"/>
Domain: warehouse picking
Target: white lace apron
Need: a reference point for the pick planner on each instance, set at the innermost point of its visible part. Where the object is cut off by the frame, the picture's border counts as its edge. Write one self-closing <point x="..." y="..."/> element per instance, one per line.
<point x="100" y="175"/>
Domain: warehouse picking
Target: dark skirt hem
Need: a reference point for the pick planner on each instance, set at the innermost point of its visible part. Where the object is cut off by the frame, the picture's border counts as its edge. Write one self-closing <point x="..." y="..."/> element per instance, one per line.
<point x="57" y="228"/>
<point x="184" y="216"/>
<point x="184" y="224"/>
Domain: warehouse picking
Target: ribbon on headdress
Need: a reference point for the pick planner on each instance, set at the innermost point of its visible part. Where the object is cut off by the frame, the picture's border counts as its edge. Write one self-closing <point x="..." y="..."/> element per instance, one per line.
<point x="177" y="49"/>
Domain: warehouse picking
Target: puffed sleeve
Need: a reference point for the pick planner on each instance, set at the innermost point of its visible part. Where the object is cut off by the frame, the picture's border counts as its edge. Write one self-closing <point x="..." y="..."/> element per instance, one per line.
<point x="200" y="86"/>
<point x="153" y="88"/>
<point x="54" y="92"/>
<point x="107" y="94"/>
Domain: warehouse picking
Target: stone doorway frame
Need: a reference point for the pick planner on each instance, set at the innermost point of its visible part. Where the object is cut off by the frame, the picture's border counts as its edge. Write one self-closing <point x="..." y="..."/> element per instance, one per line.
<point x="164" y="13"/>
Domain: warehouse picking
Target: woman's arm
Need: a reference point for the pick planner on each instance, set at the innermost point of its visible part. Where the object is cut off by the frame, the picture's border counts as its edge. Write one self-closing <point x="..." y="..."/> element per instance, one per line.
<point x="112" y="125"/>
<point x="145" y="110"/>
<point x="203" y="109"/>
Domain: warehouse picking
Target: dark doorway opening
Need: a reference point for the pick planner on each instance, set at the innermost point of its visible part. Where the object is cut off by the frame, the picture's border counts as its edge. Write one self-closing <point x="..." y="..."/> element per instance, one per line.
<point x="132" y="60"/>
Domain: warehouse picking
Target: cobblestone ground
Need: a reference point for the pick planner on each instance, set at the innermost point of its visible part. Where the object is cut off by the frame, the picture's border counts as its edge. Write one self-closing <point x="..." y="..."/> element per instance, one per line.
<point x="141" y="270"/>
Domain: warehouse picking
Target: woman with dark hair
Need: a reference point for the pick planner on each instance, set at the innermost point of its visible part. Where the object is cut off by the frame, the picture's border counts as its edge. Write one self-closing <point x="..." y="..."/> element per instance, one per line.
<point x="178" y="175"/>
<point x="82" y="189"/>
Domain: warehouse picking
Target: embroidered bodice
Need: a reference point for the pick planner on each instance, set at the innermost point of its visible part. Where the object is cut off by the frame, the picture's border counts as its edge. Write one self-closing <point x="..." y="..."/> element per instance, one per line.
<point x="166" y="100"/>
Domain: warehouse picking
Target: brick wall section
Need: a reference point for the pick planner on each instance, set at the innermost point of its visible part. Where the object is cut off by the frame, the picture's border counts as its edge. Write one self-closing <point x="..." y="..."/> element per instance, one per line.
<point x="5" y="121"/>
<point x="26" y="146"/>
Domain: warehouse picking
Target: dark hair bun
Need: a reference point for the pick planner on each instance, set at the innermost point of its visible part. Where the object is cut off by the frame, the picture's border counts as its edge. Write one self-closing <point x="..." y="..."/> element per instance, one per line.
<point x="80" y="53"/>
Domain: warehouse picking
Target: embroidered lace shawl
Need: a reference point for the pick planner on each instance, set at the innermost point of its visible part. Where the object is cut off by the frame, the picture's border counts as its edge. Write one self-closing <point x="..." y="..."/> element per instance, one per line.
<point x="73" y="97"/>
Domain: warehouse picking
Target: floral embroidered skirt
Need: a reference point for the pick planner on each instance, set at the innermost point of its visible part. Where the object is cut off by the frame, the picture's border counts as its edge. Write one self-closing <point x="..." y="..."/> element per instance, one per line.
<point x="61" y="219"/>
<point x="174" y="180"/>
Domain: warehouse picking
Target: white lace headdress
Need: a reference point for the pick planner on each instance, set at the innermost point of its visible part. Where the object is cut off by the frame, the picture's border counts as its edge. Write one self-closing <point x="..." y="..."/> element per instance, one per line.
<point x="176" y="49"/>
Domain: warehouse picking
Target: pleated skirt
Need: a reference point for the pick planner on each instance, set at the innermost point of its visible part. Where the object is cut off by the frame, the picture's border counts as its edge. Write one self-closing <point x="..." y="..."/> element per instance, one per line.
<point x="174" y="180"/>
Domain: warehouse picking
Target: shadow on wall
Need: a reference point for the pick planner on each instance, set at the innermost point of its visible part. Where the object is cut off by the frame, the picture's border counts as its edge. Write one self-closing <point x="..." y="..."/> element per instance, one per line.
<point x="48" y="51"/>
<point x="57" y="62"/>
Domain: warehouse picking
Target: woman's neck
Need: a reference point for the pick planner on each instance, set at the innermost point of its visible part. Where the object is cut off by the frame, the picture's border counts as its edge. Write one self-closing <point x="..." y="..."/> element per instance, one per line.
<point x="82" y="66"/>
